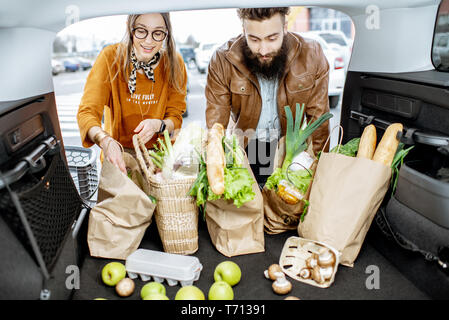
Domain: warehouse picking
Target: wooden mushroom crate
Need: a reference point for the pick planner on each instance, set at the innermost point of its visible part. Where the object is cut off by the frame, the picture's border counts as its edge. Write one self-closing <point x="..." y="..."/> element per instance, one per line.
<point x="309" y="261"/>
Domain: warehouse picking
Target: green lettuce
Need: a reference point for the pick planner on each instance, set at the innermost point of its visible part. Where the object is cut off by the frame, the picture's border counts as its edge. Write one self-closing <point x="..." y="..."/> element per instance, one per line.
<point x="349" y="149"/>
<point x="301" y="179"/>
<point x="274" y="179"/>
<point x="238" y="180"/>
<point x="211" y="196"/>
<point x="238" y="186"/>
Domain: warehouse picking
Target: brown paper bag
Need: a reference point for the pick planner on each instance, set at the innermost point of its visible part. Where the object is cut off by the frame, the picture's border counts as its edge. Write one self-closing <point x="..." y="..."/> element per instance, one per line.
<point x="279" y="216"/>
<point x="123" y="212"/>
<point x="236" y="231"/>
<point x="346" y="194"/>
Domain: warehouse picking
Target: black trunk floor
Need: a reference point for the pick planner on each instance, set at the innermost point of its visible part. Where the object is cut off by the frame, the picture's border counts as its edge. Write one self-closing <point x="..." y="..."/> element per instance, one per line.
<point x="349" y="284"/>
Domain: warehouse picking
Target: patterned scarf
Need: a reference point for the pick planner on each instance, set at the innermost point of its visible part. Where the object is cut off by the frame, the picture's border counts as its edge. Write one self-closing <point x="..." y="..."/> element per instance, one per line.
<point x="147" y="69"/>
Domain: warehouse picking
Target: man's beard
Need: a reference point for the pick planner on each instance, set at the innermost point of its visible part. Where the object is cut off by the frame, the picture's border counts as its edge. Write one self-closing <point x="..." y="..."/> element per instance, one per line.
<point x="269" y="70"/>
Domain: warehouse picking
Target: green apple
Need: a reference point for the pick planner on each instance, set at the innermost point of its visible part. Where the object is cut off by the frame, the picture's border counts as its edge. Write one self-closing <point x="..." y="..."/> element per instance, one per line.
<point x="190" y="293"/>
<point x="152" y="287"/>
<point x="155" y="296"/>
<point x="228" y="271"/>
<point x="221" y="290"/>
<point x="113" y="272"/>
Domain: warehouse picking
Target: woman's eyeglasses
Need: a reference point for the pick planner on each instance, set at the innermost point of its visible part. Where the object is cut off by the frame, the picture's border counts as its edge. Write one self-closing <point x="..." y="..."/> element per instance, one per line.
<point x="142" y="33"/>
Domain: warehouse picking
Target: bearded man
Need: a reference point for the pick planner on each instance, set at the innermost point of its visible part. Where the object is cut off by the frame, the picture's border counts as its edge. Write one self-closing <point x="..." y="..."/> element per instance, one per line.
<point x="253" y="76"/>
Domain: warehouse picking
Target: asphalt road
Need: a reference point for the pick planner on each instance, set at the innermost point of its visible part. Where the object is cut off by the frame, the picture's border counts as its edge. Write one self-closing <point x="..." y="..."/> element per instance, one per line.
<point x="69" y="87"/>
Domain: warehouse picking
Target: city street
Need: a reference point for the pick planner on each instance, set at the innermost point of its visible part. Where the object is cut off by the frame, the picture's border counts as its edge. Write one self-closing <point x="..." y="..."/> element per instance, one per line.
<point x="69" y="88"/>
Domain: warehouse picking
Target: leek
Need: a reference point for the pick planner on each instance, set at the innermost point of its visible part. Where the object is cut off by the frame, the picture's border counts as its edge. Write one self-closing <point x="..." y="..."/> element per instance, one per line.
<point x="168" y="143"/>
<point x="396" y="164"/>
<point x="296" y="137"/>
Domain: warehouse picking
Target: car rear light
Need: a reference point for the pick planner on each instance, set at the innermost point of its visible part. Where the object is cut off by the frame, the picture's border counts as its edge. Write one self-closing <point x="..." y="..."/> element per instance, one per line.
<point x="339" y="63"/>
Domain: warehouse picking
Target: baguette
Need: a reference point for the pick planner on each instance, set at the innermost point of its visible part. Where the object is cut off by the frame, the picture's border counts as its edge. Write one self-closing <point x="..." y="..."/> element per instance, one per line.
<point x="215" y="158"/>
<point x="387" y="147"/>
<point x="367" y="144"/>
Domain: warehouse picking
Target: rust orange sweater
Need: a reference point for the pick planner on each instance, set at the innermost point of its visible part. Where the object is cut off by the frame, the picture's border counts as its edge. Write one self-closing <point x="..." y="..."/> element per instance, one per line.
<point x="108" y="95"/>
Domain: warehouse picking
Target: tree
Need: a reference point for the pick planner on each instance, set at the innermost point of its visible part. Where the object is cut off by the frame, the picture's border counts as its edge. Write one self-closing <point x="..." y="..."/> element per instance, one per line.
<point x="192" y="42"/>
<point x="59" y="45"/>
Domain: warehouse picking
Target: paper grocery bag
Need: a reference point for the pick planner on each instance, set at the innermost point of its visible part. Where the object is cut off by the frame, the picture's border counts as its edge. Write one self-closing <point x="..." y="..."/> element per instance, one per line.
<point x="279" y="216"/>
<point x="237" y="231"/>
<point x="346" y="194"/>
<point x="123" y="212"/>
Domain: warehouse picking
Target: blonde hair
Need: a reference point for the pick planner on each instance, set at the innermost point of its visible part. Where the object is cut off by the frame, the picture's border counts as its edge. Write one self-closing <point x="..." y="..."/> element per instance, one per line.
<point x="172" y="66"/>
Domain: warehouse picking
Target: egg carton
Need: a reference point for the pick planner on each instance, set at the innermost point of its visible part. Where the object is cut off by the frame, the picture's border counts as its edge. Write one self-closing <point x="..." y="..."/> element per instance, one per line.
<point x="160" y="266"/>
<point x="297" y="251"/>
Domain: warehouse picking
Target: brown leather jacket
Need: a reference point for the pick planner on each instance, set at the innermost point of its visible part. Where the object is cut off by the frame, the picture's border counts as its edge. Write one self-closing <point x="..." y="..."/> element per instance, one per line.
<point x="233" y="93"/>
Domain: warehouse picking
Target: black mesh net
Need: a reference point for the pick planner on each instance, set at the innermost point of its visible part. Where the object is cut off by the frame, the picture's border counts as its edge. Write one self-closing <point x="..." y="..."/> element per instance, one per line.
<point x="51" y="204"/>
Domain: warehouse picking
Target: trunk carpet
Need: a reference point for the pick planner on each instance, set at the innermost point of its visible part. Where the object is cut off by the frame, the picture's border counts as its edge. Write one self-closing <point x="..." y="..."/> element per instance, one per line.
<point x="349" y="284"/>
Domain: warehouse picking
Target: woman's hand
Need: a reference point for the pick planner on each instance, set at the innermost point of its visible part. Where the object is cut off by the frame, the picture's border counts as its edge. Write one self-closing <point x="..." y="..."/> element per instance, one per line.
<point x="113" y="153"/>
<point x="147" y="128"/>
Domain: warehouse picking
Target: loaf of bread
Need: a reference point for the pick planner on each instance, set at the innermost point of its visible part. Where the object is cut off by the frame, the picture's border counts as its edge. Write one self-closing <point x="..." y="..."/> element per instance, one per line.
<point x="367" y="144"/>
<point x="215" y="158"/>
<point x="388" y="145"/>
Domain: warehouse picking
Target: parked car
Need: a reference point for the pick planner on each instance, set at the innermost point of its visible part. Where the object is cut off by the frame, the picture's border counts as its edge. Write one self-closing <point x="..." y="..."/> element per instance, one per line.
<point x="57" y="67"/>
<point x="338" y="42"/>
<point x="336" y="69"/>
<point x="203" y="54"/>
<point x="188" y="54"/>
<point x="391" y="79"/>
<point x="84" y="63"/>
<point x="71" y="64"/>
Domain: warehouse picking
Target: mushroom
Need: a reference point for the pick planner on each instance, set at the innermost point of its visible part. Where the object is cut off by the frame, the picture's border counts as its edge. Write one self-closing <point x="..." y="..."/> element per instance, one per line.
<point x="326" y="258"/>
<point x="291" y="298"/>
<point x="327" y="272"/>
<point x="282" y="285"/>
<point x="125" y="287"/>
<point x="305" y="273"/>
<point x="312" y="261"/>
<point x="317" y="276"/>
<point x="273" y="272"/>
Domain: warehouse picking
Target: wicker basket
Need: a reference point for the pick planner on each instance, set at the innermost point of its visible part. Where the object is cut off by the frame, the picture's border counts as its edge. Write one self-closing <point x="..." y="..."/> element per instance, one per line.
<point x="176" y="213"/>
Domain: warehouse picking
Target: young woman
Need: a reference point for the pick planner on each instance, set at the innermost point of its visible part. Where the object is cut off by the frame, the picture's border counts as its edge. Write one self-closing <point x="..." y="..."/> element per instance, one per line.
<point x="139" y="85"/>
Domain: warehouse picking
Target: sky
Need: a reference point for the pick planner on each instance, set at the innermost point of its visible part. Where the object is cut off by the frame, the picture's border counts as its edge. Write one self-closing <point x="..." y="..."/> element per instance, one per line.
<point x="205" y="25"/>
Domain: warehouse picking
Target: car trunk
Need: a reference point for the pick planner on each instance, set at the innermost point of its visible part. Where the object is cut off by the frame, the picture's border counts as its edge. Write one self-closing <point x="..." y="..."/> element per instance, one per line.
<point x="411" y="99"/>
<point x="41" y="207"/>
<point x="350" y="283"/>
<point x="412" y="225"/>
<point x="384" y="269"/>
